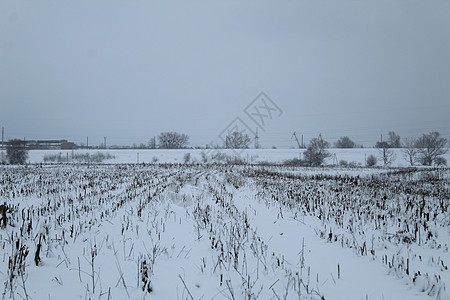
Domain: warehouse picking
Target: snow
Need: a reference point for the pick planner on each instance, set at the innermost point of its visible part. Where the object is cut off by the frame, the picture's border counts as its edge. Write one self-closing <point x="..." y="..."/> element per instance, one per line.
<point x="223" y="232"/>
<point x="357" y="155"/>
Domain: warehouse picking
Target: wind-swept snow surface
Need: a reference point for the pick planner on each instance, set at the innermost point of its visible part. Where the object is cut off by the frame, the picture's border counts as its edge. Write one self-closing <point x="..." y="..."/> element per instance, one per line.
<point x="223" y="232"/>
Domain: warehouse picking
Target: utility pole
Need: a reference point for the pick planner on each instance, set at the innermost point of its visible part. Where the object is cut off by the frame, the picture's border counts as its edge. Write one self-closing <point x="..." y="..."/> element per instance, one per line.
<point x="87" y="142"/>
<point x="303" y="145"/>
<point x="3" y="135"/>
<point x="256" y="139"/>
<point x="104" y="144"/>
<point x="152" y="143"/>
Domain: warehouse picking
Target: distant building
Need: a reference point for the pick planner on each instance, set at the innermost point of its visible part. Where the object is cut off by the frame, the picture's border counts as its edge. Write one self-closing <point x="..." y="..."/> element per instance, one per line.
<point x="49" y="145"/>
<point x="68" y="146"/>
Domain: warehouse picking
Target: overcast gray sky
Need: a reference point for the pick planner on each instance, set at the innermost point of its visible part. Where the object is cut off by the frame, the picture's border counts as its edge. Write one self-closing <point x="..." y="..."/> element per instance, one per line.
<point x="129" y="70"/>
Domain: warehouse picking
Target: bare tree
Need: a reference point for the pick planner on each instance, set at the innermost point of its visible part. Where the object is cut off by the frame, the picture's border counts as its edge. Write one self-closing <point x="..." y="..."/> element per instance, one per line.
<point x="316" y="152"/>
<point x="345" y="142"/>
<point x="394" y="140"/>
<point x="410" y="150"/>
<point x="16" y="152"/>
<point x="172" y="140"/>
<point x="430" y="147"/>
<point x="237" y="140"/>
<point x="387" y="155"/>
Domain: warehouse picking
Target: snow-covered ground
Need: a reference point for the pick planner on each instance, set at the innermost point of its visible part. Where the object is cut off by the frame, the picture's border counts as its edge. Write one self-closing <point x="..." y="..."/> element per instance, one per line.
<point x="250" y="155"/>
<point x="224" y="232"/>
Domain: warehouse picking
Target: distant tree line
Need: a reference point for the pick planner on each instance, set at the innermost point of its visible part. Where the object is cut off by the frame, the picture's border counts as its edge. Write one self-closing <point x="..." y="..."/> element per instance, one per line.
<point x="426" y="150"/>
<point x="175" y="140"/>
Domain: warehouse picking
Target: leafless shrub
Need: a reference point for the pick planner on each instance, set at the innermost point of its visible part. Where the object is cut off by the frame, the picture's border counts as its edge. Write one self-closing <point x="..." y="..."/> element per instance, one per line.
<point x="371" y="160"/>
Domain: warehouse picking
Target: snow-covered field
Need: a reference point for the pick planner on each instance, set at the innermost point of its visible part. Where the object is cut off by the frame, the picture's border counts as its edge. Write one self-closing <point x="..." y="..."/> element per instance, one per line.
<point x="358" y="156"/>
<point x="214" y="231"/>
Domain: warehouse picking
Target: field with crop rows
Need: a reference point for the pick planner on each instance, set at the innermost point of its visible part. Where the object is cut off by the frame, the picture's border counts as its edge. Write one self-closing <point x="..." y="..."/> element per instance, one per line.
<point x="218" y="231"/>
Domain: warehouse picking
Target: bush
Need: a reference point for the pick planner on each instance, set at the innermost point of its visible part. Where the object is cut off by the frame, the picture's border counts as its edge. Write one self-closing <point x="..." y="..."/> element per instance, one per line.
<point x="16" y="152"/>
<point x="371" y="160"/>
<point x="316" y="152"/>
<point x="236" y="160"/>
<point x="187" y="158"/>
<point x="97" y="157"/>
<point x="220" y="157"/>
<point x="204" y="157"/>
<point x="295" y="162"/>
<point x="440" y="161"/>
<point x="54" y="158"/>
<point x="2" y="158"/>
<point x="343" y="163"/>
<point x="354" y="164"/>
